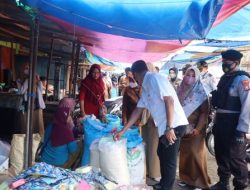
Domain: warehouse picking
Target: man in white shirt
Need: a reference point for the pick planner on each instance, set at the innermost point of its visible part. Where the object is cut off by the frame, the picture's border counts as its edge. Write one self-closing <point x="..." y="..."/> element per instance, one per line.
<point x="160" y="98"/>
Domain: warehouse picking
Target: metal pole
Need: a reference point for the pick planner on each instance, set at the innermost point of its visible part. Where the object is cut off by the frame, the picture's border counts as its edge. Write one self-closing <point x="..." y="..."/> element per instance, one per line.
<point x="72" y="68"/>
<point x="31" y="91"/>
<point x="48" y="67"/>
<point x="76" y="69"/>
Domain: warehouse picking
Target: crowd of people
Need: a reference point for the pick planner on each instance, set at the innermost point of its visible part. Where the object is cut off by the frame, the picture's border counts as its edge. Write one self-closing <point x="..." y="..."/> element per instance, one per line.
<point x="180" y="112"/>
<point x="172" y="114"/>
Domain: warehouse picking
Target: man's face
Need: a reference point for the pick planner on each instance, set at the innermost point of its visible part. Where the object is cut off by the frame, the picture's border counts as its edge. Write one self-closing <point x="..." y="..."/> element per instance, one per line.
<point x="129" y="74"/>
<point x="229" y="65"/>
<point x="200" y="68"/>
<point x="138" y="78"/>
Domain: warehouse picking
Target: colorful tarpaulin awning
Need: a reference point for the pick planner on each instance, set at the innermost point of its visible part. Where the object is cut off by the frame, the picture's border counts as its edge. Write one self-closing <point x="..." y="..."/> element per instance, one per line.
<point x="129" y="30"/>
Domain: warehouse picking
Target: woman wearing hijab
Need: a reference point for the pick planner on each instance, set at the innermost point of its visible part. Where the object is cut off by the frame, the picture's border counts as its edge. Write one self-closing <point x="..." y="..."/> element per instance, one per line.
<point x="131" y="96"/>
<point x="174" y="80"/>
<point x="92" y="92"/>
<point x="60" y="148"/>
<point x="193" y="152"/>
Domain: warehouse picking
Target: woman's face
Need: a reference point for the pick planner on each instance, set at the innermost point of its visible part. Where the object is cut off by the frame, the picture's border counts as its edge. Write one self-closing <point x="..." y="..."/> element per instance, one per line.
<point x="26" y="69"/>
<point x="96" y="73"/>
<point x="70" y="120"/>
<point x="189" y="78"/>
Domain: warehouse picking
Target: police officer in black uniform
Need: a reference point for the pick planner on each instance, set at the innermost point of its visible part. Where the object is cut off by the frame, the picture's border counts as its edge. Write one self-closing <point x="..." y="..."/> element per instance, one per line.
<point x="232" y="100"/>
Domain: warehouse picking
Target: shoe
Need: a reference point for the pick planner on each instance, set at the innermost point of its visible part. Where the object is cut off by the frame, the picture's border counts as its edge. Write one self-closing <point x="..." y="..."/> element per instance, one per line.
<point x="196" y="188"/>
<point x="157" y="186"/>
<point x="220" y="186"/>
<point x="182" y="183"/>
<point x="158" y="179"/>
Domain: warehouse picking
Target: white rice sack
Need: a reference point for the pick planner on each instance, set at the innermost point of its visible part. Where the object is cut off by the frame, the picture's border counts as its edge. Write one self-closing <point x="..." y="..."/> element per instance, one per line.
<point x="95" y="154"/>
<point x="17" y="151"/>
<point x="113" y="160"/>
<point x="136" y="164"/>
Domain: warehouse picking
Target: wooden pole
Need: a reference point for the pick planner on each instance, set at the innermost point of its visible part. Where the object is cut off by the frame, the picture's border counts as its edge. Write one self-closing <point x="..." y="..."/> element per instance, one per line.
<point x="31" y="91"/>
<point x="48" y="67"/>
<point x="76" y="68"/>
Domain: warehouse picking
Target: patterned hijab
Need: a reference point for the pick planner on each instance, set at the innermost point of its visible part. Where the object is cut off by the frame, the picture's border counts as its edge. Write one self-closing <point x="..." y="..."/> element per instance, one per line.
<point x="191" y="96"/>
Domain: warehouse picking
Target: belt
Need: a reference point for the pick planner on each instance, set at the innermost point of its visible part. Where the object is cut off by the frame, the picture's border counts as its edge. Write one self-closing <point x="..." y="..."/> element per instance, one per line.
<point x="226" y="111"/>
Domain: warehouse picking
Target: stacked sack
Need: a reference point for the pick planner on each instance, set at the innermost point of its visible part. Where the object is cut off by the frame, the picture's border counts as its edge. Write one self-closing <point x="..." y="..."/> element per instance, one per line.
<point x="95" y="129"/>
<point x="121" y="161"/>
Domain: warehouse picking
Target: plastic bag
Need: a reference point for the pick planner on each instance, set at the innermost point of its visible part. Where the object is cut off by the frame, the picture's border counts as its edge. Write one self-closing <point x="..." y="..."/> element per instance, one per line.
<point x="133" y="137"/>
<point x="113" y="160"/>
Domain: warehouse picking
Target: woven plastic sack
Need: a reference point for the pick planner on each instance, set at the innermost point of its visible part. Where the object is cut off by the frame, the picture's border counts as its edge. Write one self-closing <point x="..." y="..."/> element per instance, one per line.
<point x="95" y="154"/>
<point x="136" y="164"/>
<point x="17" y="151"/>
<point x="113" y="160"/>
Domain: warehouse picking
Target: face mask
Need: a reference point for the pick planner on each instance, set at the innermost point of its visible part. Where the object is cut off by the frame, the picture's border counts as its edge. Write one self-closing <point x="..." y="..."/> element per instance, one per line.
<point x="26" y="71"/>
<point x="133" y="84"/>
<point x="189" y="80"/>
<point x="172" y="76"/>
<point x="202" y="72"/>
<point x="226" y="67"/>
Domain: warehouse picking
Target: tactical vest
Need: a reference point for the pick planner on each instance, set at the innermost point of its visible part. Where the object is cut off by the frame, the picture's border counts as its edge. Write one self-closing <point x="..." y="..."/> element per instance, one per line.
<point x="221" y="97"/>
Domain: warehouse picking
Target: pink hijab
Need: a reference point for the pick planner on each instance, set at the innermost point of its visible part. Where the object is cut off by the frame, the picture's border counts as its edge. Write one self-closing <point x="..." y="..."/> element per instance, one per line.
<point x="61" y="133"/>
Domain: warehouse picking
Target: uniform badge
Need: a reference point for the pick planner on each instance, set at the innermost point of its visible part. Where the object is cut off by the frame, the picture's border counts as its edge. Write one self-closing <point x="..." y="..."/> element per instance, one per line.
<point x="246" y="84"/>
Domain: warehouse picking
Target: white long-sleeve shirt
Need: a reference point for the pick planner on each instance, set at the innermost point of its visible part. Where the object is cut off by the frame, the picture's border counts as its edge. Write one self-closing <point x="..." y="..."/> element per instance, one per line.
<point x="23" y="89"/>
<point x="154" y="87"/>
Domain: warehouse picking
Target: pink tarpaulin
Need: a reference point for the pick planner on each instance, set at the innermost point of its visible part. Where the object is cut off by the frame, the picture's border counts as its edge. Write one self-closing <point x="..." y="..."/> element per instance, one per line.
<point x="123" y="49"/>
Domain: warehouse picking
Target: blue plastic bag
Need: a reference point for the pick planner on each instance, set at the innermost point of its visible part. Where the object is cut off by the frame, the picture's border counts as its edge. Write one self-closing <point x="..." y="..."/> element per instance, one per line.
<point x="95" y="129"/>
<point x="133" y="137"/>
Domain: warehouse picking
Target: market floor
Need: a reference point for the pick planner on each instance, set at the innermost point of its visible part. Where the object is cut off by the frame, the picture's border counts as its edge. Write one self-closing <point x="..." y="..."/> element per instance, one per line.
<point x="212" y="167"/>
<point x="212" y="171"/>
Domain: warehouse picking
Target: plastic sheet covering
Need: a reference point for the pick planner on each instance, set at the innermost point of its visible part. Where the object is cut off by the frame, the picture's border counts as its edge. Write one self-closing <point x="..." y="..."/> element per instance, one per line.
<point x="42" y="176"/>
<point x="4" y="155"/>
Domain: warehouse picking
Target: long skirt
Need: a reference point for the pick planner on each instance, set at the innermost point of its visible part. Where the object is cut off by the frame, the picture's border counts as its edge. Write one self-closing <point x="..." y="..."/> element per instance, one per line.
<point x="193" y="161"/>
<point x="151" y="138"/>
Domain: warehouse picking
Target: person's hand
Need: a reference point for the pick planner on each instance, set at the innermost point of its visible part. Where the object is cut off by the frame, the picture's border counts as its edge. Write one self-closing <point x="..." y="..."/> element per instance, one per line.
<point x="171" y="137"/>
<point x="118" y="135"/>
<point x="195" y="132"/>
<point x="81" y="119"/>
<point x="239" y="137"/>
<point x="82" y="114"/>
